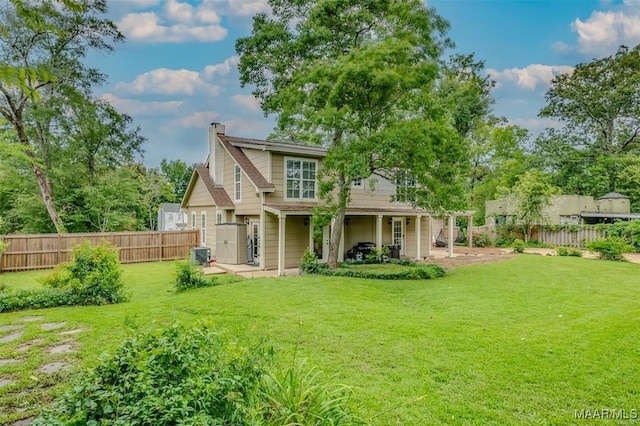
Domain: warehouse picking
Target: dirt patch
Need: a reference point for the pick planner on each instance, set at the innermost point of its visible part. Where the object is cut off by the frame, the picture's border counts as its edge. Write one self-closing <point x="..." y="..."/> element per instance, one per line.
<point x="454" y="262"/>
<point x="27" y="345"/>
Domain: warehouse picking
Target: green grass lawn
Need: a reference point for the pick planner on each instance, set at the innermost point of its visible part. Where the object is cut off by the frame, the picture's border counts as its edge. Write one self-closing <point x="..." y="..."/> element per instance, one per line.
<point x="523" y="341"/>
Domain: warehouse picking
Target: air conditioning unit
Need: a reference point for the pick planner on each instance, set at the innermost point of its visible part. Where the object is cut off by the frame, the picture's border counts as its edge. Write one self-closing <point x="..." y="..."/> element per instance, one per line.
<point x="200" y="255"/>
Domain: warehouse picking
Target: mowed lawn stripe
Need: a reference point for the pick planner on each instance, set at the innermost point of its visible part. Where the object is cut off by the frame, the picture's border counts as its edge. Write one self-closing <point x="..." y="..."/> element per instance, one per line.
<point x="525" y="341"/>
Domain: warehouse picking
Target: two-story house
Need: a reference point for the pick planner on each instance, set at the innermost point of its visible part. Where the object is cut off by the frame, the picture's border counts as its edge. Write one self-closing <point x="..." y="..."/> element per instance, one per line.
<point x="267" y="190"/>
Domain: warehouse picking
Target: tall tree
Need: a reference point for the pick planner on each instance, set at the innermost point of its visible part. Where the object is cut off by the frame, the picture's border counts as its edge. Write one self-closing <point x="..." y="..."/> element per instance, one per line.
<point x="178" y="174"/>
<point x="599" y="104"/>
<point x="358" y="77"/>
<point x="42" y="44"/>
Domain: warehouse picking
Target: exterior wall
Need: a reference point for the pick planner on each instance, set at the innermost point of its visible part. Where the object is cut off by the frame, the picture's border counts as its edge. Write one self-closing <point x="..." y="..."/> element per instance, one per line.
<point x="210" y="224"/>
<point x="560" y="210"/>
<point x="360" y="229"/>
<point x="260" y="159"/>
<point x="270" y="239"/>
<point x="614" y="205"/>
<point x="278" y="179"/>
<point x="376" y="191"/>
<point x="296" y="240"/>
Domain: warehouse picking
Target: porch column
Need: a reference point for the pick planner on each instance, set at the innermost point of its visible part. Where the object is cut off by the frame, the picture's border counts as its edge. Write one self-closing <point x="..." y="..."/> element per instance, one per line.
<point x="311" y="229"/>
<point x="418" y="239"/>
<point x="261" y="247"/>
<point x="429" y="235"/>
<point x="341" y="245"/>
<point x="281" y="235"/>
<point x="379" y="232"/>
<point x="450" y="232"/>
<point x="470" y="231"/>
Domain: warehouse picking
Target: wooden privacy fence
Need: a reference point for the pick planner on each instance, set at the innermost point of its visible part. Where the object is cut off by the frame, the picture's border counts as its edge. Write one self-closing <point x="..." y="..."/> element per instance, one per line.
<point x="570" y="238"/>
<point x="42" y="251"/>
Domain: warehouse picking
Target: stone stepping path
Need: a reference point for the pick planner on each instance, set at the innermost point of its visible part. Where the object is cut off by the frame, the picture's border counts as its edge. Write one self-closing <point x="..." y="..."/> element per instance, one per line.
<point x="24" y="422"/>
<point x="5" y="382"/>
<point x="61" y="349"/>
<point x="53" y="367"/>
<point x="74" y="331"/>
<point x="32" y="318"/>
<point x="9" y="361"/>
<point x="27" y="345"/>
<point x="48" y="326"/>
<point x="11" y="327"/>
<point x="11" y="337"/>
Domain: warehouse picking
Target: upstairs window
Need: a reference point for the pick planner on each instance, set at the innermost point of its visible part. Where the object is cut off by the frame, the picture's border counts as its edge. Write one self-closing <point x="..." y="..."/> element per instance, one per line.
<point x="237" y="183"/>
<point x="301" y="179"/>
<point x="405" y="188"/>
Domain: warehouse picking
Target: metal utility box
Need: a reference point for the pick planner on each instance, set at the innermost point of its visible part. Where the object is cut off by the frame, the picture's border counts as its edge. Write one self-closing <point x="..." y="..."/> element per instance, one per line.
<point x="200" y="255"/>
<point x="231" y="243"/>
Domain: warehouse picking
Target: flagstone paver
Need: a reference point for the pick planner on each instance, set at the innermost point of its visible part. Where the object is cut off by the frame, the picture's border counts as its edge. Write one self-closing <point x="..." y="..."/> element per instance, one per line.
<point x="74" y="331"/>
<point x="8" y="361"/>
<point x="54" y="367"/>
<point x="32" y="318"/>
<point x="11" y="337"/>
<point x="61" y="349"/>
<point x="11" y="327"/>
<point x="5" y="381"/>
<point x="52" y="325"/>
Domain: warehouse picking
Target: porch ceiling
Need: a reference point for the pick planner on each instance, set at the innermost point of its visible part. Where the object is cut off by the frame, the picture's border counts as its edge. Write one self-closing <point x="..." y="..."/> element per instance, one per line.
<point x="353" y="211"/>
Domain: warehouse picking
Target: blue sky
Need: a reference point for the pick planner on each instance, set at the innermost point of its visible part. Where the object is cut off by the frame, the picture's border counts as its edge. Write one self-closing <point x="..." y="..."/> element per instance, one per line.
<point x="176" y="71"/>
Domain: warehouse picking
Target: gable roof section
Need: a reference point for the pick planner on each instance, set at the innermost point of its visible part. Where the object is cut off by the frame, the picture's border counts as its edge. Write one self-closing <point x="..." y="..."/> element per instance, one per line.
<point x="254" y="175"/>
<point x="286" y="148"/>
<point x="218" y="195"/>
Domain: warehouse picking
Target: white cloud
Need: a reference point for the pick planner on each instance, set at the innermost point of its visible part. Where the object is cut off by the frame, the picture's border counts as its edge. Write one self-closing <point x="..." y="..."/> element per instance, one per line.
<point x="164" y="81"/>
<point x="140" y="3"/>
<point x="142" y="108"/>
<point x="530" y="76"/>
<point x="536" y="125"/>
<point x="604" y="31"/>
<point x="248" y="7"/>
<point x="200" y="119"/>
<point x="223" y="69"/>
<point x="180" y="22"/>
<point x="247" y="101"/>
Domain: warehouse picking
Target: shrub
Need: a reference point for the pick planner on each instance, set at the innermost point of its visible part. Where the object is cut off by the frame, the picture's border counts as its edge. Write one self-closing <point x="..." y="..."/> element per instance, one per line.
<point x="378" y="255"/>
<point x="518" y="245"/>
<point x="189" y="276"/>
<point x="309" y="262"/>
<point x="196" y="376"/>
<point x="92" y="277"/>
<point x="416" y="272"/>
<point x="574" y="252"/>
<point x="612" y="248"/>
<point x="562" y="251"/>
<point x="482" y="239"/>
<point x="504" y="242"/>
<point x="93" y="274"/>
<point x="627" y="230"/>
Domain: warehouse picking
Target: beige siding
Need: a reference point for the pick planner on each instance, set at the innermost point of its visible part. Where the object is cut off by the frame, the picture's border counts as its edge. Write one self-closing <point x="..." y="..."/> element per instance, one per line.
<point x="296" y="240"/>
<point x="250" y="203"/>
<point x="260" y="159"/>
<point x="228" y="177"/>
<point x="376" y="192"/>
<point x="360" y="229"/>
<point x="270" y="240"/>
<point x="199" y="196"/>
<point x="278" y="179"/>
<point x="210" y="222"/>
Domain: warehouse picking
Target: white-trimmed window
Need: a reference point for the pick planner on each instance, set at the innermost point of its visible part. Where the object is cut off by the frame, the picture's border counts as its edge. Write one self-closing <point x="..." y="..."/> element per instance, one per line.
<point x="405" y="188"/>
<point x="300" y="179"/>
<point x="203" y="228"/>
<point x="358" y="183"/>
<point x="218" y="217"/>
<point x="237" y="188"/>
<point x="193" y="220"/>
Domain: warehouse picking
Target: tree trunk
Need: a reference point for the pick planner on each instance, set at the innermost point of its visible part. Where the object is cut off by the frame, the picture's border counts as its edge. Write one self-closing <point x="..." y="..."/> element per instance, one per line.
<point x="338" y="224"/>
<point x="43" y="183"/>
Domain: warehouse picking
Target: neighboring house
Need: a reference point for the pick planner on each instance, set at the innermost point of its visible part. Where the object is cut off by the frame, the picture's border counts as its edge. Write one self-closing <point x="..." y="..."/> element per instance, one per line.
<point x="568" y="209"/>
<point x="264" y="193"/>
<point x="170" y="218"/>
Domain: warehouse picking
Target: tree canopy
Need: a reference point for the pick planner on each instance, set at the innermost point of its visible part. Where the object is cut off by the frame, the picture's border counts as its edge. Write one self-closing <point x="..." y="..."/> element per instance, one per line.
<point x="359" y="78"/>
